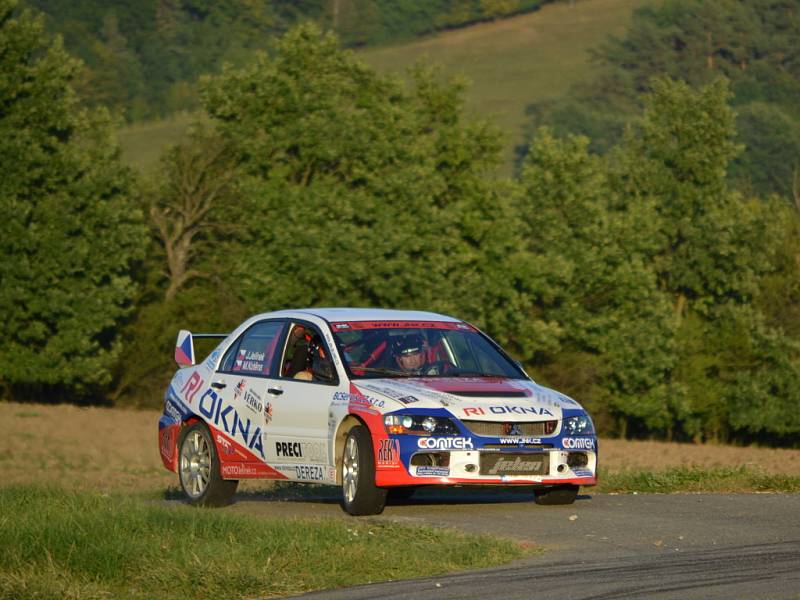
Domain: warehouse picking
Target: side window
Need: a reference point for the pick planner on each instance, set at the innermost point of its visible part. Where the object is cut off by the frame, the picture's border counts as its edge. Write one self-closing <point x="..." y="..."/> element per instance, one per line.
<point x="253" y="353"/>
<point x="305" y="356"/>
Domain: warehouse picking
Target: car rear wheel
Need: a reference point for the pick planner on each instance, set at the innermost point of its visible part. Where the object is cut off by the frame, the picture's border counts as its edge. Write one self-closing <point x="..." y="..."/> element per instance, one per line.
<point x="560" y="494"/>
<point x="199" y="469"/>
<point x="360" y="495"/>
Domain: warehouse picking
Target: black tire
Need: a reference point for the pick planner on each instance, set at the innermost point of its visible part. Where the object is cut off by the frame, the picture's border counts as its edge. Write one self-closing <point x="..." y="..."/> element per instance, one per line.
<point x="360" y="495"/>
<point x="199" y="469"/>
<point x="560" y="494"/>
<point x="400" y="493"/>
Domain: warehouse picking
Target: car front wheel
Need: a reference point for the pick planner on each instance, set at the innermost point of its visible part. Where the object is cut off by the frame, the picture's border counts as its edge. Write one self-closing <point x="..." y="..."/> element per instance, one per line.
<point x="360" y="495"/>
<point x="560" y="494"/>
<point x="199" y="469"/>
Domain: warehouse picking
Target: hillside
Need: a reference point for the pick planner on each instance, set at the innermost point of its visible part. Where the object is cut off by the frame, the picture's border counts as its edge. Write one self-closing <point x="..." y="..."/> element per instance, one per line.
<point x="510" y="62"/>
<point x="516" y="61"/>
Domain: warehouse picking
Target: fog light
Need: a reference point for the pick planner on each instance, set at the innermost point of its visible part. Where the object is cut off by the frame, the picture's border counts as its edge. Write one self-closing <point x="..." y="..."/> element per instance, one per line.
<point x="577" y="459"/>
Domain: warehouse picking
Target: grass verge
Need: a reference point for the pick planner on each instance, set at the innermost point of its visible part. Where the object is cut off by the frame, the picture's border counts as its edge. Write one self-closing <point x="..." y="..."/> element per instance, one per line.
<point x="696" y="479"/>
<point x="56" y="543"/>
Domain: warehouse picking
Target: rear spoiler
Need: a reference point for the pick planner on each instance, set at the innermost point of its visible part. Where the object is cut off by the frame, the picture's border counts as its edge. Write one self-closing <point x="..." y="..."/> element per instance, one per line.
<point x="184" y="347"/>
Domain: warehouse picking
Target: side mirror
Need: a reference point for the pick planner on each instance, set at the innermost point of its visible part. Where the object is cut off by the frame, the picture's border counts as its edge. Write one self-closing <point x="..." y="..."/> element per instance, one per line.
<point x="323" y="370"/>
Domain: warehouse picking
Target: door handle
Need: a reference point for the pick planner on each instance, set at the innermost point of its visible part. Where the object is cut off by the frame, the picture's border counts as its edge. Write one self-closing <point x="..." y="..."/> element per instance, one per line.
<point x="274" y="391"/>
<point x="218" y="384"/>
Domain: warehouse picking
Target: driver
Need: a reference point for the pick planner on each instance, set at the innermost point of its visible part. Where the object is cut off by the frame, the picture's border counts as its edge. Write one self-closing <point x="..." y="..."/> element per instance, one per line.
<point x="410" y="354"/>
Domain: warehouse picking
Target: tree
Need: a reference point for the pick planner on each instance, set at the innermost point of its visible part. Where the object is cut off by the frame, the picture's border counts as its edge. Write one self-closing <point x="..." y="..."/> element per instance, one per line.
<point x="600" y="292"/>
<point x="69" y="229"/>
<point x="753" y="44"/>
<point x="713" y="251"/>
<point x="360" y="190"/>
<point x="191" y="204"/>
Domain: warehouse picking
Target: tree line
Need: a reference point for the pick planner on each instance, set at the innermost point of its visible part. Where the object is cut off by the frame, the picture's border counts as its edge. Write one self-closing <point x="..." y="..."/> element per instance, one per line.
<point x="142" y="58"/>
<point x="640" y="280"/>
<point x="754" y="44"/>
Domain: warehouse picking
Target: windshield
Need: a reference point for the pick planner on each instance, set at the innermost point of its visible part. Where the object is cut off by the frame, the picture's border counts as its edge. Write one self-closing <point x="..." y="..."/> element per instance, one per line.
<point x="380" y="349"/>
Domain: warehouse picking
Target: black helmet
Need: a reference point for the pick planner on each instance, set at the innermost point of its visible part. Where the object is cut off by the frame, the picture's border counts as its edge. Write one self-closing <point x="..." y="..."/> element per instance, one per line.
<point x="409" y="344"/>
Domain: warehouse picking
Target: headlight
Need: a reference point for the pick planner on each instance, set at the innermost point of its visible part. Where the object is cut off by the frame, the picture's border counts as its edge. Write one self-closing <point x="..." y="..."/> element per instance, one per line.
<point x="581" y="424"/>
<point x="419" y="425"/>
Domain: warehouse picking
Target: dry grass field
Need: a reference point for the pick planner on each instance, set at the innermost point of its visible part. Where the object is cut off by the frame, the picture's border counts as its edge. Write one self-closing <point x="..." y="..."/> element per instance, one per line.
<point x="116" y="450"/>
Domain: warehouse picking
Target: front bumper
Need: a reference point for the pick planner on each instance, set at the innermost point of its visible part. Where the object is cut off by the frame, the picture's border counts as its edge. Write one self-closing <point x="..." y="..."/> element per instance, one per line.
<point x="489" y="467"/>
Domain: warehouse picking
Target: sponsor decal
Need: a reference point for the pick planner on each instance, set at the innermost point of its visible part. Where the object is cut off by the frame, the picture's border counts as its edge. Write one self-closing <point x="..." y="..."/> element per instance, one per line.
<point x="509" y="465"/>
<point x="308" y="451"/>
<point x="167" y="445"/>
<point x="251" y="355"/>
<point x="238" y="470"/>
<point x="348" y="398"/>
<point x="248" y="365"/>
<point x="225" y="417"/>
<point x="227" y="447"/>
<point x="268" y="413"/>
<point x="172" y="411"/>
<point x="239" y="389"/>
<point x="211" y="361"/>
<point x="407" y="400"/>
<point x="293" y="449"/>
<point x="177" y="381"/>
<point x="582" y="443"/>
<point x="331" y="344"/>
<point x="511" y="429"/>
<point x="453" y="443"/>
<point x="191" y="387"/>
<point x="477" y="411"/>
<point x="342" y="325"/>
<point x="520" y="440"/>
<point x="308" y="472"/>
<point x="411" y="387"/>
<point x="388" y="452"/>
<point x="253" y="401"/>
<point x="428" y="471"/>
<point x="582" y="473"/>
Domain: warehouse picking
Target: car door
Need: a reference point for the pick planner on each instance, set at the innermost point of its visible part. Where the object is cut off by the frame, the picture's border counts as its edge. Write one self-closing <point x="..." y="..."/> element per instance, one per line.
<point x="236" y="403"/>
<point x="299" y="398"/>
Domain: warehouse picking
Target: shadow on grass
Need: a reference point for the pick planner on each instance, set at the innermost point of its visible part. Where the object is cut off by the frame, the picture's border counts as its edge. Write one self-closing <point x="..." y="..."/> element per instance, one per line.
<point x="282" y="491"/>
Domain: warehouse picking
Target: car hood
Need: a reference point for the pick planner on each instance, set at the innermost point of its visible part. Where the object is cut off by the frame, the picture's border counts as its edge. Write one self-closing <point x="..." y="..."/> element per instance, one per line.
<point x="479" y="398"/>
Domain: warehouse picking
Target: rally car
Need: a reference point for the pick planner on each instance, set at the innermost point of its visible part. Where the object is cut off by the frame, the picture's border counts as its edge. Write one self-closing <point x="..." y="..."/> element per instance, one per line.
<point x="372" y="400"/>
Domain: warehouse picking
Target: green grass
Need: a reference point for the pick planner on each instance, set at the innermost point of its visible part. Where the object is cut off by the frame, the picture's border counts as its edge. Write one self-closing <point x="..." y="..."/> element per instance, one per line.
<point x="517" y="61"/>
<point x="55" y="543"/>
<point x="143" y="143"/>
<point x="695" y="479"/>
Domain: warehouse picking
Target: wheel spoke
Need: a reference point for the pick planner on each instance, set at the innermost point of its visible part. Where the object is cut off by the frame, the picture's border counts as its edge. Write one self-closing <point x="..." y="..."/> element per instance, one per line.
<point x="195" y="464"/>
<point x="350" y="469"/>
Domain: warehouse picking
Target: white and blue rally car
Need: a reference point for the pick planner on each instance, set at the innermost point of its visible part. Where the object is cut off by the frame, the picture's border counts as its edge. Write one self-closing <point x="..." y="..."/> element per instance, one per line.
<point x="372" y="400"/>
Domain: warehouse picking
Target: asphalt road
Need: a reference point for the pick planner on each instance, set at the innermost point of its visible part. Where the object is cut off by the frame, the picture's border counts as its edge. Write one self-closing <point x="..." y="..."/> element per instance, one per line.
<point x="603" y="546"/>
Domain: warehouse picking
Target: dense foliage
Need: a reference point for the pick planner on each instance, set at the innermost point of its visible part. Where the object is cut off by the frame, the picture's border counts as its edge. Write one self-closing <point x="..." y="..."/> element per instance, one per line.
<point x="144" y="57"/>
<point x="69" y="230"/>
<point x="639" y="280"/>
<point x="753" y="43"/>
